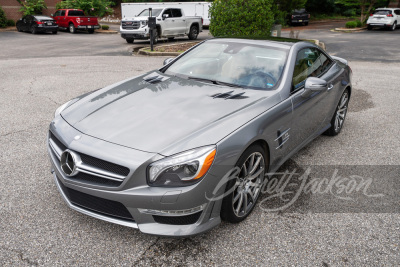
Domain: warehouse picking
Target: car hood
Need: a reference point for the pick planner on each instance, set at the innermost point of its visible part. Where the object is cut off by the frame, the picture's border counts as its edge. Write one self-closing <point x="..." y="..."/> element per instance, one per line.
<point x="166" y="117"/>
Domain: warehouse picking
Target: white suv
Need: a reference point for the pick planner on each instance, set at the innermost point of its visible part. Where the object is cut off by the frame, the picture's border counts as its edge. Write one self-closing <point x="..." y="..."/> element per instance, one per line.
<point x="384" y="18"/>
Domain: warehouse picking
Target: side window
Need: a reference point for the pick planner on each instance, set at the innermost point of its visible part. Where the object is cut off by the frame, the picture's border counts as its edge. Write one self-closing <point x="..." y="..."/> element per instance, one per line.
<point x="176" y="13"/>
<point x="57" y="13"/>
<point x="167" y="12"/>
<point x="326" y="63"/>
<point x="306" y="66"/>
<point x="62" y="13"/>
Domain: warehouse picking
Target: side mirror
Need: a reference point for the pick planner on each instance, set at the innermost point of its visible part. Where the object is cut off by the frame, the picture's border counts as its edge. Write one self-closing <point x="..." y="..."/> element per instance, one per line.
<point x="314" y="84"/>
<point x="168" y="60"/>
<point x="164" y="16"/>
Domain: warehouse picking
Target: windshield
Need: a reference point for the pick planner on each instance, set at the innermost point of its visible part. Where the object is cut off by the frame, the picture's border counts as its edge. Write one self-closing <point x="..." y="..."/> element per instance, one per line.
<point x="245" y="65"/>
<point x="145" y="13"/>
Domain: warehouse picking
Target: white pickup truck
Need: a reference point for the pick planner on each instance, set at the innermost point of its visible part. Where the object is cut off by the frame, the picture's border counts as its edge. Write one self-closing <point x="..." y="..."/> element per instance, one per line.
<point x="171" y="23"/>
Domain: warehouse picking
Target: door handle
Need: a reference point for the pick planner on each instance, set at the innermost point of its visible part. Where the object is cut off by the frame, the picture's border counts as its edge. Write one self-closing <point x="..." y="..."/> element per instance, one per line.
<point x="330" y="87"/>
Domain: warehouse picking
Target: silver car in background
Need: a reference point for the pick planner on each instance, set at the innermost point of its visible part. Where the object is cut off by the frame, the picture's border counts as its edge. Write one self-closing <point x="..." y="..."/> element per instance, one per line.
<point x="175" y="150"/>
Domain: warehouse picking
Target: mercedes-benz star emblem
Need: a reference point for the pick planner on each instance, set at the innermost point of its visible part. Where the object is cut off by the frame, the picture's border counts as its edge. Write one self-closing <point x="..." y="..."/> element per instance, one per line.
<point x="68" y="163"/>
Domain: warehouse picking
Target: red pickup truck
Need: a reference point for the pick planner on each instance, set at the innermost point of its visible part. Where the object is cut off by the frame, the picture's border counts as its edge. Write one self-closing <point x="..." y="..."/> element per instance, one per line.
<point x="75" y="19"/>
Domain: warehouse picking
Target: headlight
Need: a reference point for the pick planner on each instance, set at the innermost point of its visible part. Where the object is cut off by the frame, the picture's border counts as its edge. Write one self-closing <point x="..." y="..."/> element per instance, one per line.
<point x="143" y="23"/>
<point x="61" y="108"/>
<point x="182" y="169"/>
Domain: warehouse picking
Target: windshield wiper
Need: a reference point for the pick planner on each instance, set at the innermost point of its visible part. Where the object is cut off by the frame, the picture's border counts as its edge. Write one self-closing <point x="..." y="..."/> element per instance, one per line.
<point x="215" y="82"/>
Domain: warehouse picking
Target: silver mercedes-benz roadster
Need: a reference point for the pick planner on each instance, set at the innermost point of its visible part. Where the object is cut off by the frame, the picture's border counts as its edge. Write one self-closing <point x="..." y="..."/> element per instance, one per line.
<point x="175" y="150"/>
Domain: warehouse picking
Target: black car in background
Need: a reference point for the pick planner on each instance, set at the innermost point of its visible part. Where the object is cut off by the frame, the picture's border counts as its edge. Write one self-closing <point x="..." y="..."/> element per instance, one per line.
<point x="299" y="16"/>
<point x="37" y="23"/>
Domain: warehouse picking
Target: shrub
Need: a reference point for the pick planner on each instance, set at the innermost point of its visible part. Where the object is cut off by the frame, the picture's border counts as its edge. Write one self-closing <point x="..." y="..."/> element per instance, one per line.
<point x="241" y="18"/>
<point x="105" y="27"/>
<point x="97" y="8"/>
<point x="359" y="23"/>
<point x="10" y="23"/>
<point x="3" y="20"/>
<point x="351" y="24"/>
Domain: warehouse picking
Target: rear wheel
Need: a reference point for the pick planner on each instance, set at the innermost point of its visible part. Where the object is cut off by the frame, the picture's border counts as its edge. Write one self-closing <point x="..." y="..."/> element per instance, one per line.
<point x="246" y="187"/>
<point x="130" y="41"/>
<point x="394" y="26"/>
<point x="194" y="31"/>
<point x="340" y="115"/>
<point x="369" y="27"/>
<point x="71" y="28"/>
<point x="91" y="31"/>
<point x="33" y="30"/>
<point x="19" y="29"/>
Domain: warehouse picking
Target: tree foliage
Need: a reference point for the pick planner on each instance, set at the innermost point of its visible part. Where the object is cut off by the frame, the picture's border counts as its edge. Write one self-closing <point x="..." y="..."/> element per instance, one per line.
<point x="366" y="6"/>
<point x="240" y="18"/>
<point x="32" y="7"/>
<point x="97" y="8"/>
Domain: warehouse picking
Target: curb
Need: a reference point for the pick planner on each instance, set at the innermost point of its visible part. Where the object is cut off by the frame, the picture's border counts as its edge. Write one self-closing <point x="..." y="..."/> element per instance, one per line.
<point x="107" y="32"/>
<point x="8" y="29"/>
<point x="348" y="30"/>
<point x="173" y="54"/>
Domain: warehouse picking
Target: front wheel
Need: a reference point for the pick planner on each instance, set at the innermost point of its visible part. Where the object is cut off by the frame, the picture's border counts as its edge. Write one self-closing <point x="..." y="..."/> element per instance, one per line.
<point x="129" y="41"/>
<point x="306" y="23"/>
<point x="340" y="115"/>
<point x="155" y="36"/>
<point x="72" y="28"/>
<point x="193" y="33"/>
<point x="246" y="187"/>
<point x="19" y="29"/>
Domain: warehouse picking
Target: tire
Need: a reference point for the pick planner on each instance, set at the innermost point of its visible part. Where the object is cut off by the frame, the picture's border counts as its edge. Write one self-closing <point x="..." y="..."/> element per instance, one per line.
<point x="339" y="116"/>
<point x="33" y="30"/>
<point x="91" y="31"/>
<point x="155" y="37"/>
<point x="394" y="26"/>
<point x="171" y="39"/>
<point x="54" y="32"/>
<point x="19" y="29"/>
<point x="130" y="41"/>
<point x="306" y="23"/>
<point x="237" y="205"/>
<point x="71" y="28"/>
<point x="369" y="27"/>
<point x="193" y="33"/>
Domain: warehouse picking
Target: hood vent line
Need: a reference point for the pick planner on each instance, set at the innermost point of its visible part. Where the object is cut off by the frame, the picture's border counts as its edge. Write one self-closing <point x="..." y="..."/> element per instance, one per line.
<point x="228" y="95"/>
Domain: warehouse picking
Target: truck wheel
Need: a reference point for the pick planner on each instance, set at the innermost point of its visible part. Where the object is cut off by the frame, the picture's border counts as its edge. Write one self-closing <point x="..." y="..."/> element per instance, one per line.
<point x="193" y="33"/>
<point x="130" y="41"/>
<point x="155" y="37"/>
<point x="71" y="28"/>
<point x="91" y="31"/>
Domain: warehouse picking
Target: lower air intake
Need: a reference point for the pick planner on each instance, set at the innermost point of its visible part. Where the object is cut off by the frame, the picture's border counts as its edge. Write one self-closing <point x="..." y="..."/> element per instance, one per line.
<point x="178" y="220"/>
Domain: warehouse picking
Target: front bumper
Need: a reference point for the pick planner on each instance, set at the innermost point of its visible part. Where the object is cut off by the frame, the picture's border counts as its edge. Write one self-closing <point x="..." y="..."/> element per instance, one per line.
<point x="134" y="34"/>
<point x="150" y="209"/>
<point x="46" y="28"/>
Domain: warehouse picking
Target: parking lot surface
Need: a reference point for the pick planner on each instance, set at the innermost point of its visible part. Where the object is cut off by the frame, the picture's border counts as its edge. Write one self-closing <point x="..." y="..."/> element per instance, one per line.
<point x="38" y="73"/>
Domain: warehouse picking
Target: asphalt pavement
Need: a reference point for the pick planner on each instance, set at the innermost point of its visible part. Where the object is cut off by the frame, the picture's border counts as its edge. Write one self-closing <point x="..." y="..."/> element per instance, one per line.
<point x="38" y="73"/>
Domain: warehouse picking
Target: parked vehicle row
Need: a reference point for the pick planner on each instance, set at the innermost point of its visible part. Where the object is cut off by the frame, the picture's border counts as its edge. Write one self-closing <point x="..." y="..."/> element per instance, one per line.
<point x="63" y="19"/>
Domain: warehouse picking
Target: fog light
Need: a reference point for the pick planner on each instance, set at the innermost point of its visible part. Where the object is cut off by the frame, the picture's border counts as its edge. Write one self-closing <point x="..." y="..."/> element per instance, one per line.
<point x="173" y="212"/>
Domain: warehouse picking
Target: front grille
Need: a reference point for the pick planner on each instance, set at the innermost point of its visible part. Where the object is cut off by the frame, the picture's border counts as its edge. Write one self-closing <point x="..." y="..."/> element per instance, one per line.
<point x="178" y="220"/>
<point x="96" y="204"/>
<point x="96" y="163"/>
<point x="105" y="165"/>
<point x="130" y="25"/>
<point x="57" y="142"/>
<point x="94" y="180"/>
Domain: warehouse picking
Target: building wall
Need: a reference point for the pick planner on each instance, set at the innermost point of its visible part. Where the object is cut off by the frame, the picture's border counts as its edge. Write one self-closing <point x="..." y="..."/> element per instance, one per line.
<point x="11" y="8"/>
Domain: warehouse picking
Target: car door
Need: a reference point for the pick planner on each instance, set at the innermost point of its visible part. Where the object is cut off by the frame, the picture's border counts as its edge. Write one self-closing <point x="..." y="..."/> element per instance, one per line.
<point x="397" y="15"/>
<point x="179" y="21"/>
<point x="28" y="23"/>
<point x="169" y="23"/>
<point x="310" y="108"/>
<point x="56" y="16"/>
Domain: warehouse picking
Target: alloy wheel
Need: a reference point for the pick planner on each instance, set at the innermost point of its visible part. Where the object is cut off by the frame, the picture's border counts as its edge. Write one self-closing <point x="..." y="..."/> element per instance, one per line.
<point x="248" y="184"/>
<point x="341" y="112"/>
